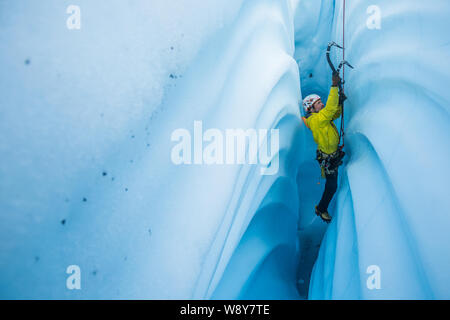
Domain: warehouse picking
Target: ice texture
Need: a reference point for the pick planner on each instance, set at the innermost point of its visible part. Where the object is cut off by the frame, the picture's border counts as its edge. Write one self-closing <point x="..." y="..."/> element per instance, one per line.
<point x="392" y="209"/>
<point x="86" y="176"/>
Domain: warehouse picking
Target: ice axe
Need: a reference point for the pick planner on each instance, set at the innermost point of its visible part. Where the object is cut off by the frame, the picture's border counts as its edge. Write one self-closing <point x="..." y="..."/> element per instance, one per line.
<point x="342" y="97"/>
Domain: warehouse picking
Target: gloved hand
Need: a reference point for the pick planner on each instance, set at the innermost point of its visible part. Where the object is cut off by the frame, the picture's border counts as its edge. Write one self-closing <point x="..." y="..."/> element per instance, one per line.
<point x="342" y="98"/>
<point x="336" y="79"/>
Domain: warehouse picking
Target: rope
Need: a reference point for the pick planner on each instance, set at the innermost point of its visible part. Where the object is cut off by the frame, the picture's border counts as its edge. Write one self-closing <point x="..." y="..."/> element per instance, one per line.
<point x="342" y="131"/>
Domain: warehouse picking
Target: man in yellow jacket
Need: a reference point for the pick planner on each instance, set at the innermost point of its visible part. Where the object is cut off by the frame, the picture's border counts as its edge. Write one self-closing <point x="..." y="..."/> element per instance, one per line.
<point x="319" y="120"/>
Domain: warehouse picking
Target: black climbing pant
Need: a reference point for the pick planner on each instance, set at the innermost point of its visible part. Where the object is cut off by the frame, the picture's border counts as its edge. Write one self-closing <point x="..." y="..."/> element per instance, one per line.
<point x="328" y="193"/>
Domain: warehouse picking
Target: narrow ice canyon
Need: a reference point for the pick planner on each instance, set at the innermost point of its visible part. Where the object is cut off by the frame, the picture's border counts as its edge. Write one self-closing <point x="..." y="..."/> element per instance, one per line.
<point x="87" y="177"/>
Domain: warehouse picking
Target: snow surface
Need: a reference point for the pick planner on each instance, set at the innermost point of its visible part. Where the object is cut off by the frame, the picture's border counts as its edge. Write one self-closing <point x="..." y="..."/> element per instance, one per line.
<point x="86" y="177"/>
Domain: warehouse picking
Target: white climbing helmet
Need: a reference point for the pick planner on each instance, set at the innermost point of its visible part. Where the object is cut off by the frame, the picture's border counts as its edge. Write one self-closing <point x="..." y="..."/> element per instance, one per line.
<point x="309" y="101"/>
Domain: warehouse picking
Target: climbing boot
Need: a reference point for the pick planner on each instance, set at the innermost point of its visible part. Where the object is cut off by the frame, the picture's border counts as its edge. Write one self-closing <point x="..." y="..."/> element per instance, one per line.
<point x="323" y="215"/>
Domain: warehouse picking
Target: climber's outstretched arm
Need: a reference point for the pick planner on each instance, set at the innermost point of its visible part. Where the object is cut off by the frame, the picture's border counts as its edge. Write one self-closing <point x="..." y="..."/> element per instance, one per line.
<point x="332" y="106"/>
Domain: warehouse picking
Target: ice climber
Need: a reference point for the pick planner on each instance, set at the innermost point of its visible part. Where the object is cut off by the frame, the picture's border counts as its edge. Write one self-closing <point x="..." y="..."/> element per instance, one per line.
<point x="319" y="120"/>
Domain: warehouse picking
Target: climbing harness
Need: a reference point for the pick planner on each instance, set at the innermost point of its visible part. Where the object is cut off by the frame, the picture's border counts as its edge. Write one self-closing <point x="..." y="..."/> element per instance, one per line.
<point x="329" y="163"/>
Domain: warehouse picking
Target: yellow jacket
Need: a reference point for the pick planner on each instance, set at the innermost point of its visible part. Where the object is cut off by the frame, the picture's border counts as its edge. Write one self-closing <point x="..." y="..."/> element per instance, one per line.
<point x="321" y="123"/>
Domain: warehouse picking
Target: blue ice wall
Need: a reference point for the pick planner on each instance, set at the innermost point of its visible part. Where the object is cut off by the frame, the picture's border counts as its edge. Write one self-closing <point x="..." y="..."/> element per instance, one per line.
<point x="86" y="173"/>
<point x="86" y="177"/>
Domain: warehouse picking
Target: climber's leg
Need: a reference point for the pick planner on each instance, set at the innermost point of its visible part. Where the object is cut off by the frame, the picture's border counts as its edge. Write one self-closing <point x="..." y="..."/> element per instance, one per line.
<point x="328" y="193"/>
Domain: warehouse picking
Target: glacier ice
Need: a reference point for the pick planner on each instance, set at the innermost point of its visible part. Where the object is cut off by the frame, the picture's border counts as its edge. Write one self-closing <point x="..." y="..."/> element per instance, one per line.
<point x="86" y="177"/>
<point x="392" y="208"/>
